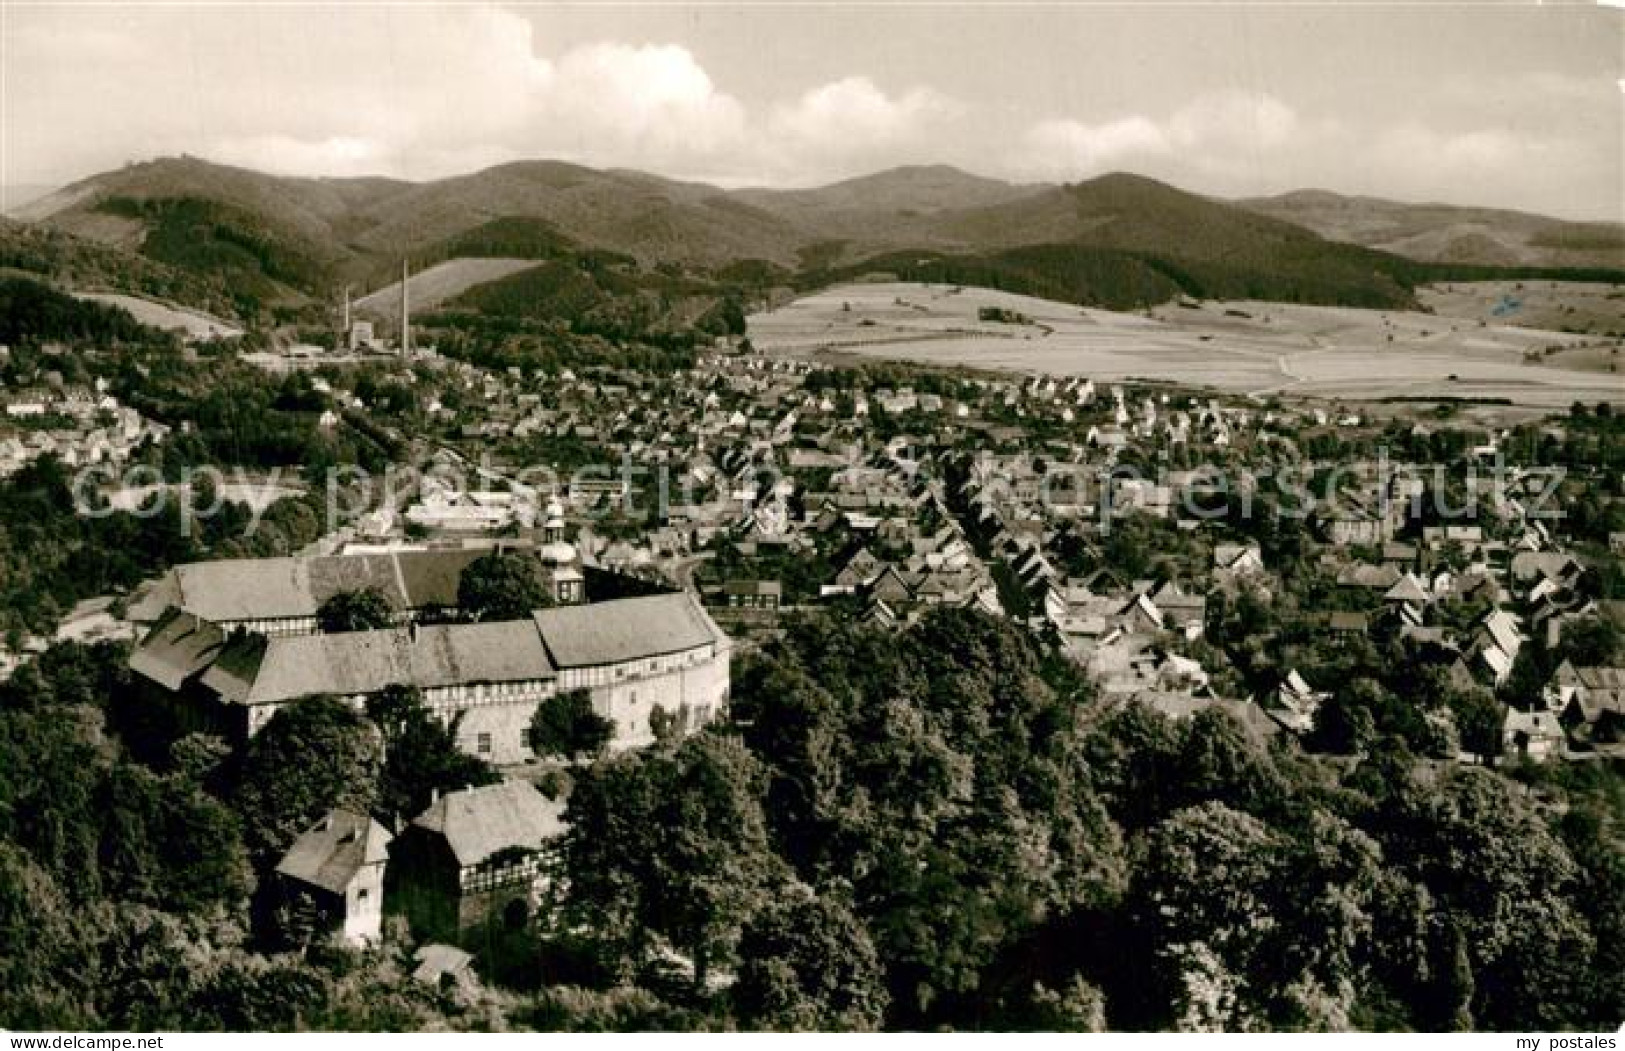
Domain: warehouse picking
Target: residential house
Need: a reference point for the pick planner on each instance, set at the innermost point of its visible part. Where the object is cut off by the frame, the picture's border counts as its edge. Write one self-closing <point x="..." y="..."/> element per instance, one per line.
<point x="1535" y="735"/>
<point x="475" y="856"/>
<point x="335" y="869"/>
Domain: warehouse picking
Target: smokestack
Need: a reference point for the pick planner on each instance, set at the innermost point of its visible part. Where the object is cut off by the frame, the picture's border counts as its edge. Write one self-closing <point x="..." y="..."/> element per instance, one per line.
<point x="344" y="332"/>
<point x="406" y="311"/>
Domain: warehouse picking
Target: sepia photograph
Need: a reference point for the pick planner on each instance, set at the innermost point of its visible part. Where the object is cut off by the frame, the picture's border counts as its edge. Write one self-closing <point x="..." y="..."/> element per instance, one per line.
<point x="811" y="517"/>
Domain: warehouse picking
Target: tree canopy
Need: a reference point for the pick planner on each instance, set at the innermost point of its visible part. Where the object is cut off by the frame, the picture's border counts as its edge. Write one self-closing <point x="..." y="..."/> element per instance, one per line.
<point x="363" y="610"/>
<point x="502" y="585"/>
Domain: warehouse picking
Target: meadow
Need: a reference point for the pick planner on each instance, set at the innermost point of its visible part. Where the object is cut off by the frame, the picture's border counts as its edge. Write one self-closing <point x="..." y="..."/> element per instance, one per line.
<point x="193" y="324"/>
<point x="1247" y="347"/>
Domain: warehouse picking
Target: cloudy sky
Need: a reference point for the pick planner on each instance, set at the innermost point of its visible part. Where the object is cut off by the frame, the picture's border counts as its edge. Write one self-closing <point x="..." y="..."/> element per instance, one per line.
<point x="1515" y="105"/>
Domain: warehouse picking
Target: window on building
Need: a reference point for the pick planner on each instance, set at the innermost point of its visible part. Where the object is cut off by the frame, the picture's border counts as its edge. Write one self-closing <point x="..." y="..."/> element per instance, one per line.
<point x="483" y="744"/>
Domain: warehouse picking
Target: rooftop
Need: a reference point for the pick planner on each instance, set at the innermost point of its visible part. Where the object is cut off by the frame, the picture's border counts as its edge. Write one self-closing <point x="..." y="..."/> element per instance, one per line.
<point x="480" y="822"/>
<point x="626" y="630"/>
<point x="257" y="670"/>
<point x="332" y="851"/>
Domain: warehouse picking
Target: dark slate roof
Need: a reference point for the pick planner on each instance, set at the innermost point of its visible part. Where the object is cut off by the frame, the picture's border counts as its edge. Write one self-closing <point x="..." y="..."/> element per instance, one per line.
<point x="273" y="588"/>
<point x="752" y="587"/>
<point x="177" y="648"/>
<point x="331" y="852"/>
<point x="626" y="630"/>
<point x="479" y="822"/>
<point x="257" y="670"/>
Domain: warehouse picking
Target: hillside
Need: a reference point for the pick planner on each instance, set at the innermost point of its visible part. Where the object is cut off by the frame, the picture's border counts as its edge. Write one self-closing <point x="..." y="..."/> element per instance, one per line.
<point x="274" y="241"/>
<point x="605" y="295"/>
<point x="650" y="219"/>
<point x="286" y="245"/>
<point x="34" y="313"/>
<point x="190" y="324"/>
<point x="317" y="210"/>
<point x="899" y="206"/>
<point x="1123" y="241"/>
<point x="73" y="262"/>
<point x="1442" y="233"/>
<point x="434" y="285"/>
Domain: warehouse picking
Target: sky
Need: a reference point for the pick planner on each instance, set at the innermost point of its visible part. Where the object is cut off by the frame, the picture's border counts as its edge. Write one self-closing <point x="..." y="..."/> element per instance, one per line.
<point x="1506" y="104"/>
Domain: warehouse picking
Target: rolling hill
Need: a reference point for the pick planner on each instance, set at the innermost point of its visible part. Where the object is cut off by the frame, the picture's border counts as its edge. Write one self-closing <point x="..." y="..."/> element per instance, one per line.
<point x="1120" y="240"/>
<point x="1124" y="241"/>
<point x="650" y="219"/>
<point x="1442" y="233"/>
<point x="67" y="261"/>
<point x="901" y="206"/>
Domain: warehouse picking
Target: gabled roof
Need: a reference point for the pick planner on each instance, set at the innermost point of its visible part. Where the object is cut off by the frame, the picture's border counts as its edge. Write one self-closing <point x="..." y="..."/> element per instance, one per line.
<point x="1145" y="606"/>
<point x="435" y="961"/>
<point x="1229" y="556"/>
<point x="1532" y="724"/>
<point x="177" y="648"/>
<point x="626" y="630"/>
<point x="1497" y="660"/>
<point x="257" y="670"/>
<point x="276" y="588"/>
<point x="331" y="852"/>
<point x="479" y="822"/>
<point x="1601" y="678"/>
<point x="1296" y="684"/>
<point x="1409" y="589"/>
<point x="1503" y="630"/>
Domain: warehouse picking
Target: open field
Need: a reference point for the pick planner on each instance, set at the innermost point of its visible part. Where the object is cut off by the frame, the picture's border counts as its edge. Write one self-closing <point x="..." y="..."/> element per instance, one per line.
<point x="441" y="282"/>
<point x="194" y="324"/>
<point x="1567" y="306"/>
<point x="1247" y="347"/>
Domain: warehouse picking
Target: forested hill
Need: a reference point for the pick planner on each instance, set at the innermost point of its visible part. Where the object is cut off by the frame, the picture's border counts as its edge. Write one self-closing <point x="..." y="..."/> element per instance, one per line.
<point x="32" y="313"/>
<point x="288" y="245"/>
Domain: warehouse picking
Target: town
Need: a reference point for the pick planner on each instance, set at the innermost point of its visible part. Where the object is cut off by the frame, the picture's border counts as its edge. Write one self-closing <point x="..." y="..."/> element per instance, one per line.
<point x="564" y="564"/>
<point x="900" y="518"/>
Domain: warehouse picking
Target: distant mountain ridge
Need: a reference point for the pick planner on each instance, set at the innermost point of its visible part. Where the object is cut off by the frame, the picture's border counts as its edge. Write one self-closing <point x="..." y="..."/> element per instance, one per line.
<point x="1446" y="233"/>
<point x="1119" y="240"/>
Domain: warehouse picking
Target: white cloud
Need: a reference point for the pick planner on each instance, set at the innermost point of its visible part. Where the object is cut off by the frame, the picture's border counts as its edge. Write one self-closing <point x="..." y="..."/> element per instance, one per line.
<point x="652" y="105"/>
<point x="1240" y="120"/>
<point x="1070" y="149"/>
<point x="854" y="110"/>
<point x="1218" y="133"/>
<point x="416" y="91"/>
<point x="425" y="91"/>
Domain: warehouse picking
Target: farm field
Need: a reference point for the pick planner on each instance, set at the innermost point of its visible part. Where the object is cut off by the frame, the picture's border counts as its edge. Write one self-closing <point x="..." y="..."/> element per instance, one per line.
<point x="438" y="283"/>
<point x="1568" y="306"/>
<point x="194" y="324"/>
<point x="1247" y="347"/>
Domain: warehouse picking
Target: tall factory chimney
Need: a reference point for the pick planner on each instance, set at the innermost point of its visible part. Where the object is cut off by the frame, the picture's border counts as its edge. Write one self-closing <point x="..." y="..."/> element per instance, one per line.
<point x="344" y="333"/>
<point x="406" y="311"/>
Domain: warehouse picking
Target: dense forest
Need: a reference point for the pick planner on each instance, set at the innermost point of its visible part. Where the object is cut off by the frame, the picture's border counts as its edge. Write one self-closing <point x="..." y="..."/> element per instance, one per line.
<point x="262" y="264"/>
<point x="32" y="313"/>
<point x="938" y="829"/>
<point x="44" y="254"/>
<point x="52" y="556"/>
